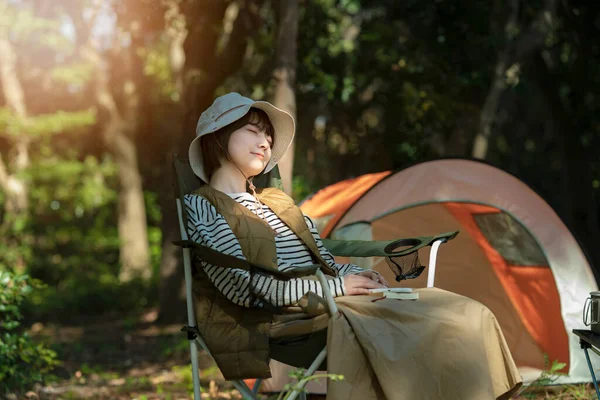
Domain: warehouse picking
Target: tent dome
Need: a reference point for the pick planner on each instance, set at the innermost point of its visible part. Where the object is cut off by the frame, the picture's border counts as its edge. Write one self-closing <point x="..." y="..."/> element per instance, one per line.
<point x="514" y="254"/>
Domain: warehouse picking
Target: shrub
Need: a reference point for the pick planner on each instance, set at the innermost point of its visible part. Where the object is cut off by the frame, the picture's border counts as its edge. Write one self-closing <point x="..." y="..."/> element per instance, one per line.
<point x="23" y="361"/>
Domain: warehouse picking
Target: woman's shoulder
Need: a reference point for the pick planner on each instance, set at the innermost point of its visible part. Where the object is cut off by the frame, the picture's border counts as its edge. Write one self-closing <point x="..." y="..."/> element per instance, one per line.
<point x="199" y="208"/>
<point x="311" y="224"/>
<point x="194" y="197"/>
<point x="276" y="194"/>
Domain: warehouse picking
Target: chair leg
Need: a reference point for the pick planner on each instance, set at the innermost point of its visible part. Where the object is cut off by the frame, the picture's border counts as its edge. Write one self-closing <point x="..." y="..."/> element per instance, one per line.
<point x="256" y="386"/>
<point x="195" y="369"/>
<point x="311" y="370"/>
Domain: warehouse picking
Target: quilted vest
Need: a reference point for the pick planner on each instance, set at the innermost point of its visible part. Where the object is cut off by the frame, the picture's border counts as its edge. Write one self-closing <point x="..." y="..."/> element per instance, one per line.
<point x="238" y="337"/>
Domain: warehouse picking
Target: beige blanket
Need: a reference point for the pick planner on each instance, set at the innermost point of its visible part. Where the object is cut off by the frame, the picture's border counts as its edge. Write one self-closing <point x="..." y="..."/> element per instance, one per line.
<point x="442" y="346"/>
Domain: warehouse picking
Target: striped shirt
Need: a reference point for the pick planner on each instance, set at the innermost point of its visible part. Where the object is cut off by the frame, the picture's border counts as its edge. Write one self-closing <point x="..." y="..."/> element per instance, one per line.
<point x="209" y="228"/>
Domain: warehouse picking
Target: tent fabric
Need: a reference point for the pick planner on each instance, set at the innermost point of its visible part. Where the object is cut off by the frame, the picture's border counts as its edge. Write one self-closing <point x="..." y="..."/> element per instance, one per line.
<point x="536" y="287"/>
<point x="531" y="289"/>
<point x="332" y="199"/>
<point x="463" y="268"/>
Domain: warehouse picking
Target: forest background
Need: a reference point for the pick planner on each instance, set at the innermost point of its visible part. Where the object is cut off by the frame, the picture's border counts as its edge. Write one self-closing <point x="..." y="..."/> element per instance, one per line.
<point x="96" y="96"/>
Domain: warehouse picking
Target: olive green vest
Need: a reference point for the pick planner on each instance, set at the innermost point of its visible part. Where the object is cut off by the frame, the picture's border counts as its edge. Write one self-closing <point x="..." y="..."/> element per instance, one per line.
<point x="238" y="337"/>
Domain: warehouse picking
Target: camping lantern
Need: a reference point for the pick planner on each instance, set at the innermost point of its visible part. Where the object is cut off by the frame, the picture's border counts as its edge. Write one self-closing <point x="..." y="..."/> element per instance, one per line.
<point x="591" y="312"/>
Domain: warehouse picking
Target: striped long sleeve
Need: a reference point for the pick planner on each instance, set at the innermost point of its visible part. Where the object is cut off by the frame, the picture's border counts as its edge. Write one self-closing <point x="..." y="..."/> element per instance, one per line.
<point x="209" y="228"/>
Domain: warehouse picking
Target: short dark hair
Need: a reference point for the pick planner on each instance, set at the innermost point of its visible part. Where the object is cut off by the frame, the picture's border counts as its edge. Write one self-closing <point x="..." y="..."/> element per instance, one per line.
<point x="215" y="145"/>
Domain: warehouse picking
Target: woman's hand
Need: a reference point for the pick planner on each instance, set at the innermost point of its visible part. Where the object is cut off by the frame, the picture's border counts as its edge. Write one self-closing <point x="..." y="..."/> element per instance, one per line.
<point x="357" y="284"/>
<point x="374" y="276"/>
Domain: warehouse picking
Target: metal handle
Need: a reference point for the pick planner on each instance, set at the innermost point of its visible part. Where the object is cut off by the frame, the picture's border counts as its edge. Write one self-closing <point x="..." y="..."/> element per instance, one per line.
<point x="587" y="310"/>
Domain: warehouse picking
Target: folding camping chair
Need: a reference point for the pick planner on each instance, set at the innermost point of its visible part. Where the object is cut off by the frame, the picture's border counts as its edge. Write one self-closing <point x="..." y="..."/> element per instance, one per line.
<point x="394" y="251"/>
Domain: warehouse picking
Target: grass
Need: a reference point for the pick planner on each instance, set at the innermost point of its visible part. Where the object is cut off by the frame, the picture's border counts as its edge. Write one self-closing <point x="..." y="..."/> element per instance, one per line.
<point x="116" y="359"/>
<point x="544" y="388"/>
<point x="563" y="392"/>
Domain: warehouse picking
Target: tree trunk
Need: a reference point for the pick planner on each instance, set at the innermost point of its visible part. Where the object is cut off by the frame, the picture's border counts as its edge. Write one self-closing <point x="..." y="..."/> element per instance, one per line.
<point x="497" y="88"/>
<point x="285" y="78"/>
<point x="582" y="212"/>
<point x="16" y="202"/>
<point x="460" y="139"/>
<point x="285" y="98"/>
<point x="205" y="69"/>
<point x="133" y="231"/>
<point x="120" y="126"/>
<point x="170" y="288"/>
<point x="517" y="48"/>
<point x="489" y="111"/>
<point x="15" y="189"/>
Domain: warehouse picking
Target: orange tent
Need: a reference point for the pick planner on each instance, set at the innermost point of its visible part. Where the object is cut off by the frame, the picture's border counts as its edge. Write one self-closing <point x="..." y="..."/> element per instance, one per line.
<point x="513" y="254"/>
<point x="332" y="201"/>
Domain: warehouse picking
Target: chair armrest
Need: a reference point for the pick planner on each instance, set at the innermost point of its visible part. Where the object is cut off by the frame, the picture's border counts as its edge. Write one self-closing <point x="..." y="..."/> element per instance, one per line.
<point x="214" y="257"/>
<point x="382" y="248"/>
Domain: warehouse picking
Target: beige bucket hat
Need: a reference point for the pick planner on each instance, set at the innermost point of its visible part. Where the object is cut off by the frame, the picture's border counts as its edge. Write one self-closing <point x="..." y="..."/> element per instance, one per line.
<point x="231" y="107"/>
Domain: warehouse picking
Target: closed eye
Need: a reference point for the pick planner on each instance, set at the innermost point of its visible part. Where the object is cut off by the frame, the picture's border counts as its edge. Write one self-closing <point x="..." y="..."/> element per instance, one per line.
<point x="256" y="131"/>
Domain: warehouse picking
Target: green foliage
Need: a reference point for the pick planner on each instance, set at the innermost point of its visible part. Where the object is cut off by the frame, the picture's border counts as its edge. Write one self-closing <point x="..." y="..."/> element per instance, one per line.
<point x="301" y="381"/>
<point x="301" y="188"/>
<point x="387" y="88"/>
<point x="184" y="373"/>
<point x="23" y="361"/>
<point x="75" y="74"/>
<point x="25" y="26"/>
<point x="550" y="374"/>
<point x="45" y="124"/>
<point x="76" y="246"/>
<point x="69" y="240"/>
<point x="23" y="22"/>
<point x="157" y="66"/>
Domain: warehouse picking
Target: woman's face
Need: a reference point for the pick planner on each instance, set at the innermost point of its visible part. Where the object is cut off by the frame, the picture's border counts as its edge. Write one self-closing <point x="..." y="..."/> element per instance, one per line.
<point x="250" y="149"/>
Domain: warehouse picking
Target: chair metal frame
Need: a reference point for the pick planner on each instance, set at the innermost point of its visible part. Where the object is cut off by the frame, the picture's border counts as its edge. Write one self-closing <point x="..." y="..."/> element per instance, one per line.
<point x="195" y="338"/>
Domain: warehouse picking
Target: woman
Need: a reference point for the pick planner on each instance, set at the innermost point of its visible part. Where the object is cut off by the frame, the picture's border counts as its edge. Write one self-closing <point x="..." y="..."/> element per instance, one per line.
<point x="236" y="140"/>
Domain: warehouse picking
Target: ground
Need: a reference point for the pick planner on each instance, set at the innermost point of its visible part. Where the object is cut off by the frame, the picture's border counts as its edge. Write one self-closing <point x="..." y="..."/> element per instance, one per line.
<point x="116" y="357"/>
